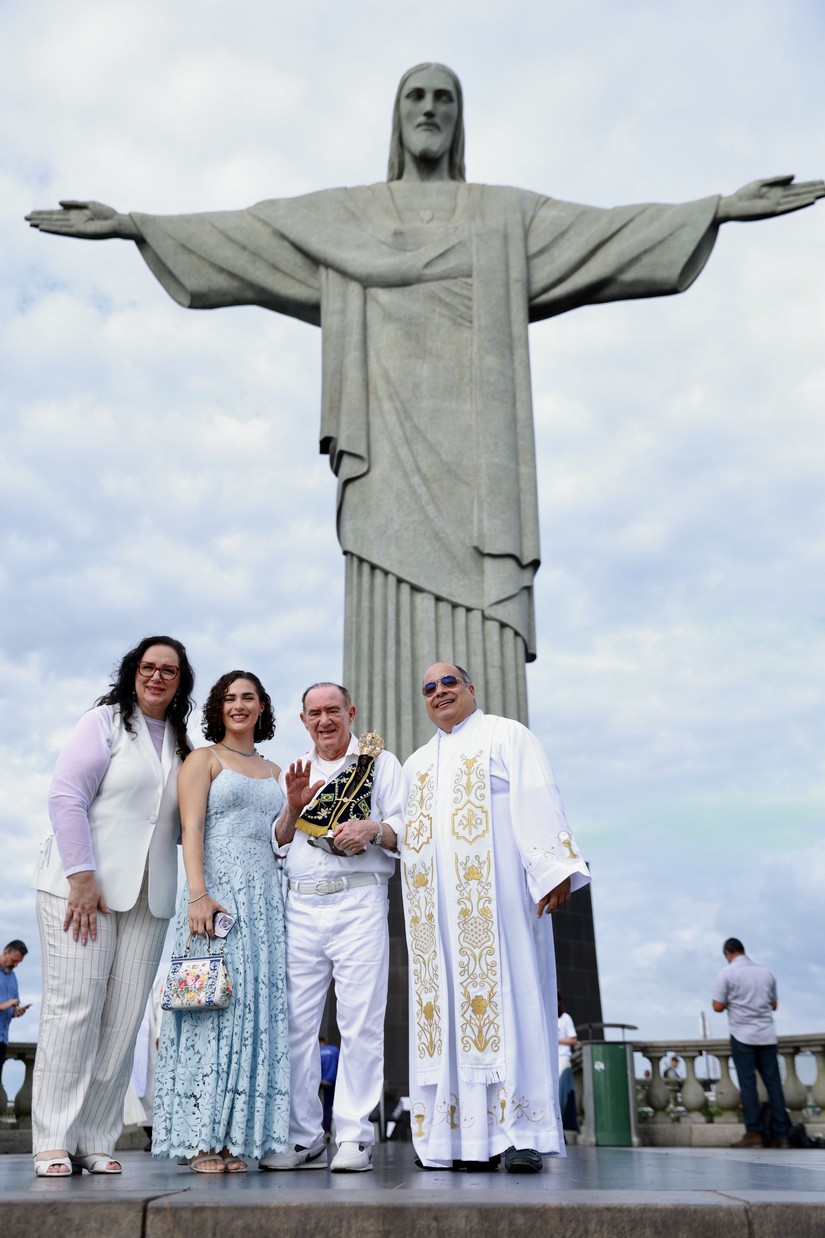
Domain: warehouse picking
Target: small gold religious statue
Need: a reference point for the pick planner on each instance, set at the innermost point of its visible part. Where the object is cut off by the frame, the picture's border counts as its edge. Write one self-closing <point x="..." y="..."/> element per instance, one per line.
<point x="346" y="798"/>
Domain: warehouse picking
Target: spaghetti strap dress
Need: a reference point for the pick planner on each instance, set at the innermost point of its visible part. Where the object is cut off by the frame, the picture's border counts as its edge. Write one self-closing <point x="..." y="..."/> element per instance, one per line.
<point x="223" y="1075"/>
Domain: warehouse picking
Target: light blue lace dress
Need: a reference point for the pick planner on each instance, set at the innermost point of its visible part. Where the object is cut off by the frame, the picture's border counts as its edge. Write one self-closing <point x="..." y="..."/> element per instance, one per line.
<point x="223" y="1075"/>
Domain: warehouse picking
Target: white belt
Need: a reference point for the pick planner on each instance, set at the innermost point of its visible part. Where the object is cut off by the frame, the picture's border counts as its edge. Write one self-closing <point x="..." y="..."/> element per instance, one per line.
<point x="334" y="885"/>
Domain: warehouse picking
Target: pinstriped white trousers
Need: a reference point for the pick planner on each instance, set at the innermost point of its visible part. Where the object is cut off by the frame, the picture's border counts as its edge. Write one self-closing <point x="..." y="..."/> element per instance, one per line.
<point x="94" y="997"/>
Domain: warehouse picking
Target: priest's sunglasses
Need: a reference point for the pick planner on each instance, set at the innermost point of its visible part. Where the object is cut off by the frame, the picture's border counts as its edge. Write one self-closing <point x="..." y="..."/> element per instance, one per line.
<point x="446" y="681"/>
<point x="147" y="669"/>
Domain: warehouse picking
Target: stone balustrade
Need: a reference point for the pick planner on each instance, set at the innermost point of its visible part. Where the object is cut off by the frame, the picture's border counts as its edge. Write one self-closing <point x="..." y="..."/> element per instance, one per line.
<point x="702" y="1104"/>
<point x="22" y="1052"/>
<point x="699" y="1107"/>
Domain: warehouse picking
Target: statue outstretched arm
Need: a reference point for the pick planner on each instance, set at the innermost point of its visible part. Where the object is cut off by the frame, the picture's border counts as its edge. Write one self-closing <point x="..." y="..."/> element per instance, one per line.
<point x="88" y="221"/>
<point x="776" y="195"/>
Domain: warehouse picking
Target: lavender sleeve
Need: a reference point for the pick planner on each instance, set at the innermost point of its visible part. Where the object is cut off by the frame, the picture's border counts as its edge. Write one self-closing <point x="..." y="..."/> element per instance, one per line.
<point x="78" y="774"/>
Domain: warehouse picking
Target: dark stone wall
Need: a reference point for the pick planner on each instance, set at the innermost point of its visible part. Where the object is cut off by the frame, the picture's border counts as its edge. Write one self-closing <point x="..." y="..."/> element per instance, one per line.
<point x="576" y="965"/>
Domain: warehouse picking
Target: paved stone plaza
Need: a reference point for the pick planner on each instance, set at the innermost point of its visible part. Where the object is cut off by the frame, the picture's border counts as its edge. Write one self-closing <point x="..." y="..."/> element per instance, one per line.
<point x="595" y="1192"/>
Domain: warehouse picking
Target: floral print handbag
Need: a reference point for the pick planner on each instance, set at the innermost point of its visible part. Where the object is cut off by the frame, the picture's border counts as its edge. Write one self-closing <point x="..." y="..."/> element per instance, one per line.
<point x="197" y="982"/>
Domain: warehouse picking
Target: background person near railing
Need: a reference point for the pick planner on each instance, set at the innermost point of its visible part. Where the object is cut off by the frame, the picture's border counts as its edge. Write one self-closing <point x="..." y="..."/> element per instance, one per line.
<point x="10" y="1007"/>
<point x="748" y="993"/>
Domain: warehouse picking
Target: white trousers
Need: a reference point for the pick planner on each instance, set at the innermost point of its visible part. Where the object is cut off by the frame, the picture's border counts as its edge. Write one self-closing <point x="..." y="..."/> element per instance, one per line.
<point x="94" y="997"/>
<point x="343" y="936"/>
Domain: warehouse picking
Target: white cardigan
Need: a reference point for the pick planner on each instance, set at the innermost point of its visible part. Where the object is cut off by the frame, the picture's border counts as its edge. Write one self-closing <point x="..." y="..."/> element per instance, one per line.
<point x="133" y="821"/>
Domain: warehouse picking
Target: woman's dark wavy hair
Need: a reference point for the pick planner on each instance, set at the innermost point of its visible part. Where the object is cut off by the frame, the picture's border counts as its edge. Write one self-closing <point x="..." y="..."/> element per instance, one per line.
<point x="213" y="725"/>
<point x="395" y="169"/>
<point x="122" y="690"/>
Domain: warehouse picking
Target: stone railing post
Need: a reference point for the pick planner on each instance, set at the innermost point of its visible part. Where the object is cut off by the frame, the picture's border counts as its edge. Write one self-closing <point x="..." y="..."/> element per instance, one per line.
<point x="23" y="1099"/>
<point x="727" y="1094"/>
<point x="818" y="1089"/>
<point x="693" y="1094"/>
<point x="795" y="1093"/>
<point x="658" y="1093"/>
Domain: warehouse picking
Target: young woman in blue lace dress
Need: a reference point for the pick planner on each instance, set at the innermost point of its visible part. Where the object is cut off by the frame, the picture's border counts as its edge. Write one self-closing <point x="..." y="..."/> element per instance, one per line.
<point x="222" y="1089"/>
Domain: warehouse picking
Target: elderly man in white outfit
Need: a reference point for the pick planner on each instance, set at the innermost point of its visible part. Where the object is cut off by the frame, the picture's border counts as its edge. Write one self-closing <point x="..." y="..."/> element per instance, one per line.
<point x="336" y="925"/>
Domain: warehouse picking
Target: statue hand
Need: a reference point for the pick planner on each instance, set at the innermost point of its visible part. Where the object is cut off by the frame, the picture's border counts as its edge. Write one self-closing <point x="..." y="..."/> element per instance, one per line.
<point x="88" y="221"/>
<point x="776" y="195"/>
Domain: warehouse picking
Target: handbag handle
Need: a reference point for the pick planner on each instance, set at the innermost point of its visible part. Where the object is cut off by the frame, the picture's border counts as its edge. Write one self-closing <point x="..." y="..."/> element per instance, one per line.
<point x="217" y="954"/>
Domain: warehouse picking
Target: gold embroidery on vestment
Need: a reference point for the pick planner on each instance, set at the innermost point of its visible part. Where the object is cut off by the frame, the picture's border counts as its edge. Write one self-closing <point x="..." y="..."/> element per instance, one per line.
<point x="477" y="954"/>
<point x="418" y="831"/>
<point x="418" y="879"/>
<point x="450" y="1111"/>
<point x="519" y="1107"/>
<point x="418" y="1114"/>
<point x="470" y="818"/>
<point x="566" y="840"/>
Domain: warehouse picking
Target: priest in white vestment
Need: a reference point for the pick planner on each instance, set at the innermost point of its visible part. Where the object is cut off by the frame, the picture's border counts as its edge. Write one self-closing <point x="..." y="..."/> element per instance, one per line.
<point x="487" y="855"/>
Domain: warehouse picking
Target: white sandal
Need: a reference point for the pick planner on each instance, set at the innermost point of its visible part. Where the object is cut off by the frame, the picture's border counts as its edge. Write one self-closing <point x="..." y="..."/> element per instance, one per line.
<point x="96" y="1163"/>
<point x="41" y="1168"/>
<point x="200" y="1160"/>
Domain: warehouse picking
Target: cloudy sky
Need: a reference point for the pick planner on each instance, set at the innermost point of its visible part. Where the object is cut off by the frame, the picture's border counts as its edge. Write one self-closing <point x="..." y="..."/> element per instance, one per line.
<point x="160" y="468"/>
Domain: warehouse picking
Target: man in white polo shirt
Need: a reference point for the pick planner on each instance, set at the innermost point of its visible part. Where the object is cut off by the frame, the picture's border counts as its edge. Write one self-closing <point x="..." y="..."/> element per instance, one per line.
<point x="336" y="928"/>
<point x="748" y="993"/>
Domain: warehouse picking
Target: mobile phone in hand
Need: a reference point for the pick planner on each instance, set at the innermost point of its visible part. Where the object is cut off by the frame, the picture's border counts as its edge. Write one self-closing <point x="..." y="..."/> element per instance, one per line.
<point x="223" y="923"/>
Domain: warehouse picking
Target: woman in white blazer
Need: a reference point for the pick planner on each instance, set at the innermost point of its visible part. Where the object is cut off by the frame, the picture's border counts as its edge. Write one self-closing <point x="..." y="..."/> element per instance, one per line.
<point x="107" y="883"/>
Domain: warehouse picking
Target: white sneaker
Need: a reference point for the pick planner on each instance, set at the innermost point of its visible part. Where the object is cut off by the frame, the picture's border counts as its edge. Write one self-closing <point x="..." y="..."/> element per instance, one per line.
<point x="297" y="1158"/>
<point x="352" y="1158"/>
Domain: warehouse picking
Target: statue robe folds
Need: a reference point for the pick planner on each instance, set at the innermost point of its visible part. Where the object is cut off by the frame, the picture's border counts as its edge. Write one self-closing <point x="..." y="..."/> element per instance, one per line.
<point x="424" y="294"/>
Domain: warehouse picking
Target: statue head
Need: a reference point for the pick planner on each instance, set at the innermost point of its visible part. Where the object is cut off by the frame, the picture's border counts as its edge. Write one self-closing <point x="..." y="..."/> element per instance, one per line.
<point x="395" y="169"/>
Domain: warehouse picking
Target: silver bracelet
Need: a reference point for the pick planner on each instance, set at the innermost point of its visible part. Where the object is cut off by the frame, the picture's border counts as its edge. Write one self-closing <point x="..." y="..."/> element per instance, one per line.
<point x="200" y="896"/>
<point x="379" y="835"/>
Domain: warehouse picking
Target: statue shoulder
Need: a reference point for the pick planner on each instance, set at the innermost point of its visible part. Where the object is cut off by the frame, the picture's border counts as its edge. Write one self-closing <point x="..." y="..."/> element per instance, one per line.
<point x="506" y="201"/>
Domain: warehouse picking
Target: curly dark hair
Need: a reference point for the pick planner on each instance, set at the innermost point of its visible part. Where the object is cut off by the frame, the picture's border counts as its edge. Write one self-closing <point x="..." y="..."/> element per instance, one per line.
<point x="213" y="726"/>
<point x="122" y="690"/>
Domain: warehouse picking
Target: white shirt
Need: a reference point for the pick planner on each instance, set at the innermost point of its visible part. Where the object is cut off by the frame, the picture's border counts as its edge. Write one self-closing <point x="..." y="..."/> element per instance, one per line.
<point x="307" y="863"/>
<point x="567" y="1028"/>
<point x="747" y="991"/>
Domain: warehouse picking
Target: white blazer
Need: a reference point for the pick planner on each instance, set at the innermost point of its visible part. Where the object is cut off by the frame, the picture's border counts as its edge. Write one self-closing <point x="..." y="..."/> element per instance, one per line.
<point x="133" y="818"/>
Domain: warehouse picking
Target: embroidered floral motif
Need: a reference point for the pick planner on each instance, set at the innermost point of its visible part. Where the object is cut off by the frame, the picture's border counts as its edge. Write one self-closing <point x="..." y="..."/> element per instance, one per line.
<point x="420" y="905"/>
<point x="418" y="830"/>
<point x="477" y="954"/>
<point x="450" y="1111"/>
<point x="519" y="1107"/>
<point x="470" y="820"/>
<point x="457" y="787"/>
<point x="522" y="1108"/>
<point x="561" y="854"/>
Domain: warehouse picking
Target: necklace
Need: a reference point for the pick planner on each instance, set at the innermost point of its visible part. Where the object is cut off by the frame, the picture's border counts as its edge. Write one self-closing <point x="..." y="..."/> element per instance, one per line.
<point x="239" y="751"/>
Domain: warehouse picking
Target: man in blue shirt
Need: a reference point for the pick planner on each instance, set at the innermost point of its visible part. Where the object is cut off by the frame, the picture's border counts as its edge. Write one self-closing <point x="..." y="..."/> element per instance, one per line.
<point x="748" y="993"/>
<point x="10" y="1007"/>
<point x="329" y="1073"/>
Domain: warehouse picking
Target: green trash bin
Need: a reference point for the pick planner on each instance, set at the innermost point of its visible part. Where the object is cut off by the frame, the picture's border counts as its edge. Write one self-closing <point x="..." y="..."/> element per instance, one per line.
<point x="609" y="1067"/>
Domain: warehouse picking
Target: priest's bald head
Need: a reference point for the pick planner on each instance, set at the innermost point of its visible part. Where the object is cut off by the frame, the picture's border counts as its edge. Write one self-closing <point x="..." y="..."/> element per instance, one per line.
<point x="449" y="695"/>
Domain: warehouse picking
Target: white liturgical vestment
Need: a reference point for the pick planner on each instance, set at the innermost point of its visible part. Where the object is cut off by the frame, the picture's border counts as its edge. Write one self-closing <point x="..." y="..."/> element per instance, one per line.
<point x="485" y="839"/>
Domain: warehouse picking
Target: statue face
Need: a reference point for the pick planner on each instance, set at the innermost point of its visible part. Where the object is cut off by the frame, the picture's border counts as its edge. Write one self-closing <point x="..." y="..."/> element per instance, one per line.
<point x="428" y="110"/>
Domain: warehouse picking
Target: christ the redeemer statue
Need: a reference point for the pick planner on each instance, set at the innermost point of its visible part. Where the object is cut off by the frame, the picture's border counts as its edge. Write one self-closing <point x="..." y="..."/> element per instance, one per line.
<point x="424" y="288"/>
